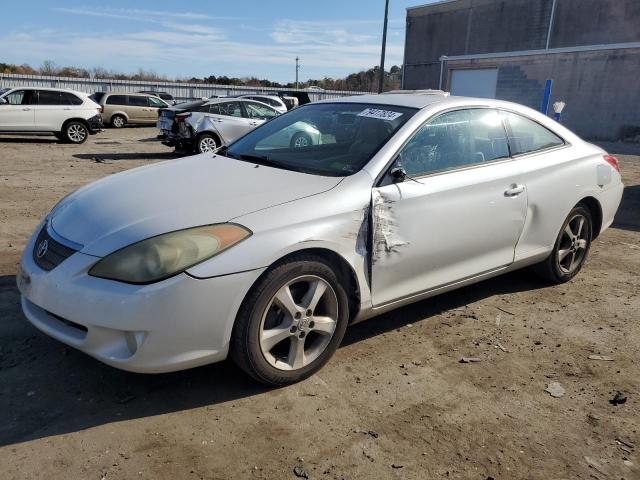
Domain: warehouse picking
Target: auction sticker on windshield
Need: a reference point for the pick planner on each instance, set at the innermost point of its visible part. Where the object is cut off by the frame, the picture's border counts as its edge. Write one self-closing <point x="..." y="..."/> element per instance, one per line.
<point x="378" y="113"/>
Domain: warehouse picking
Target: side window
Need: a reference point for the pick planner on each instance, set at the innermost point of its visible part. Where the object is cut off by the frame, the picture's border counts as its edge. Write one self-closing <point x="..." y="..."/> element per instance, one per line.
<point x="72" y="99"/>
<point x="116" y="100"/>
<point x="20" y="97"/>
<point x="50" y="97"/>
<point x="138" y="101"/>
<point x="231" y="109"/>
<point x="214" y="108"/>
<point x="262" y="112"/>
<point x="454" y="140"/>
<point x="528" y="136"/>
<point x="154" y="102"/>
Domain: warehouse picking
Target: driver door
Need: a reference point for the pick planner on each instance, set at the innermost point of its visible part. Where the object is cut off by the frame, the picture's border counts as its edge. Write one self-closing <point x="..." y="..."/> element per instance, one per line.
<point x="18" y="114"/>
<point x="458" y="214"/>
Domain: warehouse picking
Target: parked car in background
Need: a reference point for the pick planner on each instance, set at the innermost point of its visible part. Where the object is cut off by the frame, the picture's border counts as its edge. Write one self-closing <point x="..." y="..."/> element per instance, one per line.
<point x="166" y="116"/>
<point x="272" y="100"/>
<point x="167" y="97"/>
<point x="120" y="109"/>
<point x="267" y="254"/>
<point x="71" y="116"/>
<point x="215" y="123"/>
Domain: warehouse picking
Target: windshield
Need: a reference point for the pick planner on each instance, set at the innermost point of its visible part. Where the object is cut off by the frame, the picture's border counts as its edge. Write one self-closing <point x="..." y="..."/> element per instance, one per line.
<point x="332" y="139"/>
<point x="4" y="90"/>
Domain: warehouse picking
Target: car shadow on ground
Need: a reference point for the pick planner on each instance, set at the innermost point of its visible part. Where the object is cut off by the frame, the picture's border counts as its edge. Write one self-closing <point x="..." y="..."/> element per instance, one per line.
<point x="128" y="156"/>
<point x="29" y="139"/>
<point x="49" y="389"/>
<point x="628" y="215"/>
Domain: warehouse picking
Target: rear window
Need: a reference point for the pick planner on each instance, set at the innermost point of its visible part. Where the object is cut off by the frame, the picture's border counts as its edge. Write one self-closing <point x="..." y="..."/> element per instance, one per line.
<point x="96" y="97"/>
<point x="117" y="100"/>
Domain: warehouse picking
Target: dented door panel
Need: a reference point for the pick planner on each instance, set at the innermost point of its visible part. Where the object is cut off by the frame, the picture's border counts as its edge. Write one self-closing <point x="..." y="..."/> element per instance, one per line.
<point x="442" y="229"/>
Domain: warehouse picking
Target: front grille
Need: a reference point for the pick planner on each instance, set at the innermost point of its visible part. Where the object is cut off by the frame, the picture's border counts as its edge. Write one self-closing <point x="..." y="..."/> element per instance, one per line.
<point x="50" y="254"/>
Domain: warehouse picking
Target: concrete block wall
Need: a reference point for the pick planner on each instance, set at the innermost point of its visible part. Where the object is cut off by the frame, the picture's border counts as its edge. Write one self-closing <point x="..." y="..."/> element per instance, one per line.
<point x="601" y="88"/>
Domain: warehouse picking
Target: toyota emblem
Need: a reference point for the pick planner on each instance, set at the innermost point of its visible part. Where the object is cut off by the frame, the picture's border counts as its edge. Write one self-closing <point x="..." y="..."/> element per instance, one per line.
<point x="43" y="246"/>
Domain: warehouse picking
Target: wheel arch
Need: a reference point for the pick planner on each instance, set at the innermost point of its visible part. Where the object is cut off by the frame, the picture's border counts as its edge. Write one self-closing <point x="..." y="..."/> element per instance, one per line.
<point x="213" y="133"/>
<point x="118" y="112"/>
<point x="596" y="213"/>
<point x="343" y="268"/>
<point x="74" y="119"/>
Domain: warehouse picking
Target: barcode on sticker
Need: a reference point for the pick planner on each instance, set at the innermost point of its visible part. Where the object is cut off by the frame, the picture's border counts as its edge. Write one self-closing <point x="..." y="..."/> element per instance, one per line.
<point x="378" y="113"/>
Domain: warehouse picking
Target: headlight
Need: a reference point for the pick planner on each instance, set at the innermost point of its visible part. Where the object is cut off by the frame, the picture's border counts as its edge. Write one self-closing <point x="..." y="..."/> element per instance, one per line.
<point x="163" y="256"/>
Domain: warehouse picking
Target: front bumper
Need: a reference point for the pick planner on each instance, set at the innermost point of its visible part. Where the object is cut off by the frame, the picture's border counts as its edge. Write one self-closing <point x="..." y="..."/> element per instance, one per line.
<point x="179" y="323"/>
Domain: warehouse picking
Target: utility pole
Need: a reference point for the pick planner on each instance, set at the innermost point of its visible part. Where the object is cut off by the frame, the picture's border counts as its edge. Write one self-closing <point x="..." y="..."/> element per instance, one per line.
<point x="297" y="69"/>
<point x="384" y="46"/>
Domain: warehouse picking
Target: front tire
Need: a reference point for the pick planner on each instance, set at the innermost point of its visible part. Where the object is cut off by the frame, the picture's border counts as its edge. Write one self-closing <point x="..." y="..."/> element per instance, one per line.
<point x="291" y="322"/>
<point x="75" y="132"/>
<point x="571" y="248"/>
<point x="301" y="140"/>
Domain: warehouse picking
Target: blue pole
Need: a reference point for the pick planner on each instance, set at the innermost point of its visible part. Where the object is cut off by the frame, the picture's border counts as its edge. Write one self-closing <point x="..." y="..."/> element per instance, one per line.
<point x="544" y="108"/>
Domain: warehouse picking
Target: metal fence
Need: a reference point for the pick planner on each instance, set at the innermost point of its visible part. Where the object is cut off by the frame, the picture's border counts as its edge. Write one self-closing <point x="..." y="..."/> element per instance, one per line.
<point x="180" y="91"/>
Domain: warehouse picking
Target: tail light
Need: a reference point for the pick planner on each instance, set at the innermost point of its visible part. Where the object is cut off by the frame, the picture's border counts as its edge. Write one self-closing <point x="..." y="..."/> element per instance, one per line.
<point x="613" y="161"/>
<point x="182" y="118"/>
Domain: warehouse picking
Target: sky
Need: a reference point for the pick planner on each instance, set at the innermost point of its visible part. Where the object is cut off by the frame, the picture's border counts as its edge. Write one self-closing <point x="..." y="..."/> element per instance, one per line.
<point x="196" y="38"/>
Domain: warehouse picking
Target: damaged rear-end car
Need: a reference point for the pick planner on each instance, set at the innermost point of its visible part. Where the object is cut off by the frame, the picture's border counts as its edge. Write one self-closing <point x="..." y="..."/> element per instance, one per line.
<point x="213" y="124"/>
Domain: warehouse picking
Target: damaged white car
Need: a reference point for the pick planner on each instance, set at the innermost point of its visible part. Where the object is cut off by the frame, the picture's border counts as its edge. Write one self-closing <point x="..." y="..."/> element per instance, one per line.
<point x="269" y="252"/>
<point x="216" y="123"/>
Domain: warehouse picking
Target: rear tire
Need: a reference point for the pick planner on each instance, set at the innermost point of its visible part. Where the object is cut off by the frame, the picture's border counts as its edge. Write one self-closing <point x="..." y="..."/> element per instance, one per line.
<point x="300" y="140"/>
<point x="571" y="248"/>
<point x="118" y="121"/>
<point x="291" y="322"/>
<point x="206" y="143"/>
<point x="75" y="132"/>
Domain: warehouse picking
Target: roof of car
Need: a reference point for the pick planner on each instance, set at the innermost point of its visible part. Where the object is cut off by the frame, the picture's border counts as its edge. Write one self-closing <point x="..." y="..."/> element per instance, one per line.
<point x="28" y="87"/>
<point x="407" y="98"/>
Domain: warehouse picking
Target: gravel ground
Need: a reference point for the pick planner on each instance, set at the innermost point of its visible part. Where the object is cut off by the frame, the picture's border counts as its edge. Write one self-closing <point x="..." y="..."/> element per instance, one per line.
<point x="394" y="402"/>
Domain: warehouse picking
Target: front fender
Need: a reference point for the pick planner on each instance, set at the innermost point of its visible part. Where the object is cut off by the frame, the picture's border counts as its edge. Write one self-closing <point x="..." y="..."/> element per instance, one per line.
<point x="330" y="221"/>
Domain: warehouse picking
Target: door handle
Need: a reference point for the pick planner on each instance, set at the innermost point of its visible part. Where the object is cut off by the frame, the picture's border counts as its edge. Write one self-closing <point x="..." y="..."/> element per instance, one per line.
<point x="26" y="109"/>
<point x="514" y="190"/>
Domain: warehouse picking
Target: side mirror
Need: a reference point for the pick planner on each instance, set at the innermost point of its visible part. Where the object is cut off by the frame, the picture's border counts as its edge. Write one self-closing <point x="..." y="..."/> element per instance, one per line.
<point x="398" y="174"/>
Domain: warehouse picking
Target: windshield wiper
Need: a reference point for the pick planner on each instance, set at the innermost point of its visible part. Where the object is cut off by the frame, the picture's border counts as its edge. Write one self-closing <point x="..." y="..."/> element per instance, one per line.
<point x="266" y="161"/>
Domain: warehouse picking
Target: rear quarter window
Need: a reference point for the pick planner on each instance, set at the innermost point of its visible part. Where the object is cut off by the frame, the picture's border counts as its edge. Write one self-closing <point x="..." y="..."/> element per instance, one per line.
<point x="526" y="135"/>
<point x="116" y="100"/>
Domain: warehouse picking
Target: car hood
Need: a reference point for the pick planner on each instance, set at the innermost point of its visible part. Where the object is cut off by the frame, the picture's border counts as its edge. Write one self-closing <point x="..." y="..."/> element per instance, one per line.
<point x="137" y="204"/>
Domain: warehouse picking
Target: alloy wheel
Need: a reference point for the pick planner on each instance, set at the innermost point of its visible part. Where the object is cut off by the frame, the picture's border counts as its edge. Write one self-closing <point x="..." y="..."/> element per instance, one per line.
<point x="301" y="141"/>
<point x="573" y="244"/>
<point x="76" y="133"/>
<point x="298" y="323"/>
<point x="207" y="144"/>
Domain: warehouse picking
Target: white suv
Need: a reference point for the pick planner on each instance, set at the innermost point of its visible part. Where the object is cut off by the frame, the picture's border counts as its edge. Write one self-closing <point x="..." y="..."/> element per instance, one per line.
<point x="71" y="116"/>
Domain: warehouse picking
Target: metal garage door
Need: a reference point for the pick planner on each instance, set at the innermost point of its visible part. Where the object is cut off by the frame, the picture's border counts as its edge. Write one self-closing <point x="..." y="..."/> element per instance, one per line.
<point x="474" y="82"/>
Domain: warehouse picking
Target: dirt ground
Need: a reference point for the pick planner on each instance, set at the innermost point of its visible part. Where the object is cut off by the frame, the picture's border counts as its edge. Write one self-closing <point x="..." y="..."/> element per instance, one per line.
<point x="394" y="402"/>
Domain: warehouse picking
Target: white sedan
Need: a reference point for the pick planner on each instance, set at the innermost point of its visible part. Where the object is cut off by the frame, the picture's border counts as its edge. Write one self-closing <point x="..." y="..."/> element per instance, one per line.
<point x="267" y="252"/>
